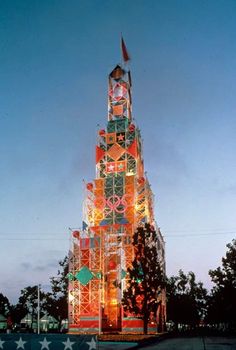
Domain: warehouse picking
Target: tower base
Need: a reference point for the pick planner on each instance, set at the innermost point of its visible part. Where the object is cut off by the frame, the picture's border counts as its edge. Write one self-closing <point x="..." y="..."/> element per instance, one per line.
<point x="130" y="325"/>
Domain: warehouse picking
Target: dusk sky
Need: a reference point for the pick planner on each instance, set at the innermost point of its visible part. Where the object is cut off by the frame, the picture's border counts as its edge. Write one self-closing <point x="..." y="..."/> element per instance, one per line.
<point x="55" y="57"/>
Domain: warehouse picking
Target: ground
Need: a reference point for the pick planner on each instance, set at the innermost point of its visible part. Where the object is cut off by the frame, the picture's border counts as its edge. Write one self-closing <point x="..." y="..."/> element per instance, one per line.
<point x="194" y="343"/>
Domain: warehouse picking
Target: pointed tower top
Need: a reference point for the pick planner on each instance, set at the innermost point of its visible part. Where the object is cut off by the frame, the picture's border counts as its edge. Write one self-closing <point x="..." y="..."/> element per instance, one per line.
<point x="117" y="72"/>
<point x="119" y="94"/>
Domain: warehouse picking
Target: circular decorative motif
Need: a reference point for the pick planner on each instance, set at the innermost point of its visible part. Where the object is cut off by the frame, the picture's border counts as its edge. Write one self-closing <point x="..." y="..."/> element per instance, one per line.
<point x="113" y="202"/>
<point x="89" y="186"/>
<point x="102" y="132"/>
<point x="131" y="127"/>
<point x="141" y="180"/>
<point x="112" y="265"/>
<point x="76" y="234"/>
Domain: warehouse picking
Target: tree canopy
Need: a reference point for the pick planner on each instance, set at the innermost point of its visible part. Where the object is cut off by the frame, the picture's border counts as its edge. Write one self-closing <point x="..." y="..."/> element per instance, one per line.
<point x="146" y="276"/>
<point x="186" y="299"/>
<point x="57" y="299"/>
<point x="4" y="305"/>
<point x="222" y="302"/>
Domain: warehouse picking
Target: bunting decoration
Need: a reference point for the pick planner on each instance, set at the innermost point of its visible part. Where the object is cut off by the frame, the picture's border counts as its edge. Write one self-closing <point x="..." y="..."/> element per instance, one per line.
<point x="99" y="154"/>
<point x="47" y="341"/>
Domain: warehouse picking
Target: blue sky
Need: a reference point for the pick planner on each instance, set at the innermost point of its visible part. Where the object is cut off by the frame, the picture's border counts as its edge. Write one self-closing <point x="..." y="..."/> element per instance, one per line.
<point x="54" y="60"/>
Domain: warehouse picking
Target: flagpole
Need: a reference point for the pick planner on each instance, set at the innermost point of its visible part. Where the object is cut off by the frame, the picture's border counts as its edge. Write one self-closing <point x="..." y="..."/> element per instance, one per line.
<point x="124" y="52"/>
<point x="121" y="52"/>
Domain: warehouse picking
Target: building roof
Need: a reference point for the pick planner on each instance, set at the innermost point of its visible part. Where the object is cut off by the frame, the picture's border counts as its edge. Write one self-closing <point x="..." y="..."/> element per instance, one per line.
<point x="2" y="318"/>
<point x="49" y="319"/>
<point x="28" y="318"/>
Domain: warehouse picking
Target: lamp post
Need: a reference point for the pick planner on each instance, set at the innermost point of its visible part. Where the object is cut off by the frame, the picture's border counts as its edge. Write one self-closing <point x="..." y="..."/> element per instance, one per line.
<point x="39" y="308"/>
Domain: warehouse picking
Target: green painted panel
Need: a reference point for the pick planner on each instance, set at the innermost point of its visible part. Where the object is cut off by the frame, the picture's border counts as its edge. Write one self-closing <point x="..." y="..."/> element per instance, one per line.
<point x="84" y="275"/>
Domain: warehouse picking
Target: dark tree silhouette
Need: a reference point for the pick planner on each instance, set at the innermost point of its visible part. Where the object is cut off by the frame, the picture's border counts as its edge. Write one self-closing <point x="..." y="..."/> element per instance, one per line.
<point x="186" y="300"/>
<point x="57" y="299"/>
<point x="146" y="277"/>
<point x="4" y="305"/>
<point x="18" y="312"/>
<point x="222" y="302"/>
<point x="28" y="303"/>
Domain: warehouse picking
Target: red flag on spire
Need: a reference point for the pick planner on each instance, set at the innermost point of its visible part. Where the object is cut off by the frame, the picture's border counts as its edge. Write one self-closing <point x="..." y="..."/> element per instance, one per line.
<point x="124" y="51"/>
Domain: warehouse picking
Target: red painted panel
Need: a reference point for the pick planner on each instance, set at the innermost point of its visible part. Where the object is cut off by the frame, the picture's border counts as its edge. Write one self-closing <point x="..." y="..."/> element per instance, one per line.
<point x="88" y="323"/>
<point x="132" y="323"/>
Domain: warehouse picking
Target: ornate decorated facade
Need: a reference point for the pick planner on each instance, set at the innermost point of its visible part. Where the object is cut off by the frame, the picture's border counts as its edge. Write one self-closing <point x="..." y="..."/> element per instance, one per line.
<point x="118" y="201"/>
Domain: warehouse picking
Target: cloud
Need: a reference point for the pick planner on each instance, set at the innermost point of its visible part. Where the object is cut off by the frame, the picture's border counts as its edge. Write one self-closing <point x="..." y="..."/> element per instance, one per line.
<point x="40" y="265"/>
<point x="45" y="267"/>
<point x="26" y="266"/>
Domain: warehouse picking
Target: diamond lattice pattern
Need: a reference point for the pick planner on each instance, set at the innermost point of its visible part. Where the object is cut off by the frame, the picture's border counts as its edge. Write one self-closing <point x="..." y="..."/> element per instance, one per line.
<point x="116" y="151"/>
<point x="84" y="275"/>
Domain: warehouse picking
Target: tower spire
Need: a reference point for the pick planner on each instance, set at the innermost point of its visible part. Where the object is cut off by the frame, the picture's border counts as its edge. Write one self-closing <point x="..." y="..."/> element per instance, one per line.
<point x="117" y="202"/>
<point x="119" y="94"/>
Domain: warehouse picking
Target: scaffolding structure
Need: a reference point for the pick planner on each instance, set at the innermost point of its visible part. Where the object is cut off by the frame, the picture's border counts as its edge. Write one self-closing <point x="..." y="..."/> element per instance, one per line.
<point x="118" y="201"/>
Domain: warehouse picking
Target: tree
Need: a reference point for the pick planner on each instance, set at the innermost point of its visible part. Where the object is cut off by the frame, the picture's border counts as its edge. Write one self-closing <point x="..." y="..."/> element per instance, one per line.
<point x="186" y="300"/>
<point x="28" y="303"/>
<point x="57" y="299"/>
<point x="59" y="284"/>
<point x="18" y="312"/>
<point x="29" y="299"/>
<point x="146" y="277"/>
<point x="4" y="305"/>
<point x="222" y="302"/>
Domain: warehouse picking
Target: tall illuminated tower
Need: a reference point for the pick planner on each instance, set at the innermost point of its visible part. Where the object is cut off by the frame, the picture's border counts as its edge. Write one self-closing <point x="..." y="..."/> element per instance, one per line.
<point x="116" y="203"/>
